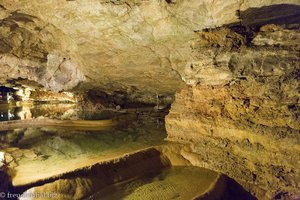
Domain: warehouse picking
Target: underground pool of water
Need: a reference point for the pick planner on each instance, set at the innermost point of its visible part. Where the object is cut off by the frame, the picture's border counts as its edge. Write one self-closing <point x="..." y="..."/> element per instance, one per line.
<point x="107" y="154"/>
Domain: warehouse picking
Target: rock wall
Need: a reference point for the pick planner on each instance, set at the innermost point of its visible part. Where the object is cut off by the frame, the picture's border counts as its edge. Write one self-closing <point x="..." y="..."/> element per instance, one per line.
<point x="241" y="114"/>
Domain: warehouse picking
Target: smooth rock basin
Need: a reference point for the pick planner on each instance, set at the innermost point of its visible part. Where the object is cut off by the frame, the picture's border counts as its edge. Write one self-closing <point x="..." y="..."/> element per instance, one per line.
<point x="145" y="174"/>
<point x="122" y="158"/>
<point x="180" y="182"/>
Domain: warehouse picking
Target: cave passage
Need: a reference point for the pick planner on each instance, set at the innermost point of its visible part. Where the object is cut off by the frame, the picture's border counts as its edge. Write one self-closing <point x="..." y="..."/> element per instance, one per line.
<point x="56" y="149"/>
<point x="150" y="99"/>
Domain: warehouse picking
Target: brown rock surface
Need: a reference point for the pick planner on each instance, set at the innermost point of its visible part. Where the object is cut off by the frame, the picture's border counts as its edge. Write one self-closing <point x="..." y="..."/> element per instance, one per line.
<point x="237" y="62"/>
<point x="248" y="128"/>
<point x="141" y="48"/>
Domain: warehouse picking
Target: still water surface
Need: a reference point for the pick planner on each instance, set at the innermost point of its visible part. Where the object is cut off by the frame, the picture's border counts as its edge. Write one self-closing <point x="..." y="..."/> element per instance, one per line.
<point x="54" y="150"/>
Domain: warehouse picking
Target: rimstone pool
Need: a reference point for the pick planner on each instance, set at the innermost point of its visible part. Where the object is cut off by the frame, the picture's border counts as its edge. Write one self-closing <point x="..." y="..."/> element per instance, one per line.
<point x="120" y="158"/>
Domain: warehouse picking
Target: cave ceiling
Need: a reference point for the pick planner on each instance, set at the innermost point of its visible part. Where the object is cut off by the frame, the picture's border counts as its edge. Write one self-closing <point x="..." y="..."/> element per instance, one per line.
<point x="139" y="47"/>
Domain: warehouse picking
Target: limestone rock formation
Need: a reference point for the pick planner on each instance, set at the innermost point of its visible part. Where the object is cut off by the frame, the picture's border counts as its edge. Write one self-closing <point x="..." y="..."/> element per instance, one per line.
<point x="236" y="63"/>
<point x="36" y="51"/>
<point x="247" y="128"/>
<point x="141" y="48"/>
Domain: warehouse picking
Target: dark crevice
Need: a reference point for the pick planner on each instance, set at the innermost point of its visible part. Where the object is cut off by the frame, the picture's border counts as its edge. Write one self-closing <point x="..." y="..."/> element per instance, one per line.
<point x="171" y="1"/>
<point x="117" y="98"/>
<point x="21" y="17"/>
<point x="286" y="16"/>
<point x="280" y="14"/>
<point x="2" y="7"/>
<point x="247" y="32"/>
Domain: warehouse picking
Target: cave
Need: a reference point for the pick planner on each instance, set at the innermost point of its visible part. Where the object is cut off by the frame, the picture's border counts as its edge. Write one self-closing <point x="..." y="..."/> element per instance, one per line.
<point x="150" y="99"/>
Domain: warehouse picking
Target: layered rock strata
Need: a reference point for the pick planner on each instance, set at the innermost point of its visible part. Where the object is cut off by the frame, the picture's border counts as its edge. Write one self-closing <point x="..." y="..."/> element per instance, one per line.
<point x="244" y="121"/>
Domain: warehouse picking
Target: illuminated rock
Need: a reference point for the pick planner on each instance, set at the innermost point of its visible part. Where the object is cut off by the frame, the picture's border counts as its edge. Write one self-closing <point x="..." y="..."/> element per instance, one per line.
<point x="140" y="48"/>
<point x="249" y="127"/>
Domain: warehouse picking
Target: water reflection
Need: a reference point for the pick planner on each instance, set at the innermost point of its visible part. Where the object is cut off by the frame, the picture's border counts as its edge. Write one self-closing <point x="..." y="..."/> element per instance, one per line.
<point x="25" y="113"/>
<point x="7" y="115"/>
<point x="31" y="110"/>
<point x="54" y="150"/>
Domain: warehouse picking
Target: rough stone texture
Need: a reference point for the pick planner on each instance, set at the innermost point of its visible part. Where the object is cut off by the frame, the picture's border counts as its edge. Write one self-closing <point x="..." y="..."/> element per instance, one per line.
<point x="36" y="51"/>
<point x="249" y="127"/>
<point x="240" y="114"/>
<point x="138" y="47"/>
